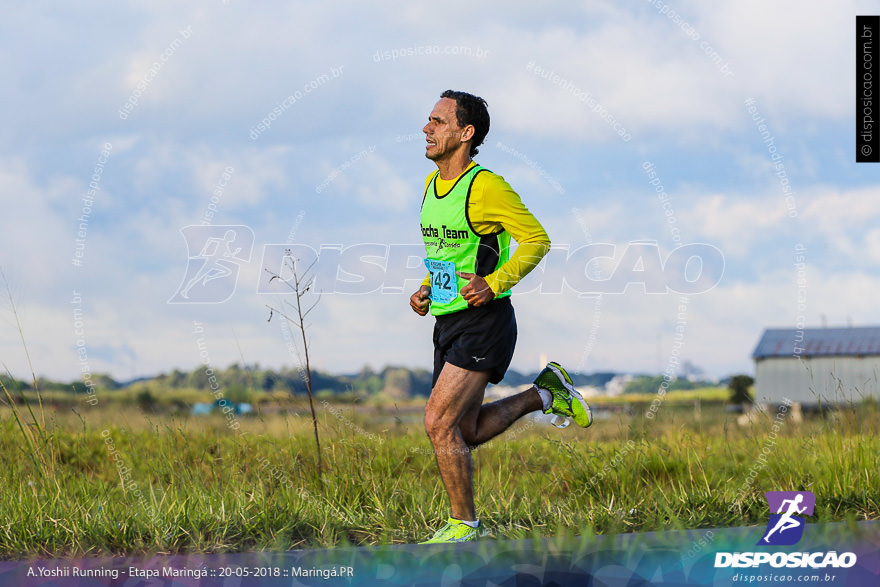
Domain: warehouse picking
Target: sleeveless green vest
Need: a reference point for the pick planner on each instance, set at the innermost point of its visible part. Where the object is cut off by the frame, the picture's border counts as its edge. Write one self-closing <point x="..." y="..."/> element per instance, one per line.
<point x="450" y="238"/>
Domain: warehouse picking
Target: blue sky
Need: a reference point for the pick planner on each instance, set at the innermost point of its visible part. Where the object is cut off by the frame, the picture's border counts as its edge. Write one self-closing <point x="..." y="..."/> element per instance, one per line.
<point x="351" y="88"/>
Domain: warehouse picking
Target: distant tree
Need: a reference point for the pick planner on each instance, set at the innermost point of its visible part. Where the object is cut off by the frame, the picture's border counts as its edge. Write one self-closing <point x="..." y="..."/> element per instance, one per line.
<point x="197" y="379"/>
<point x="421" y="382"/>
<point x="146" y="400"/>
<point x="268" y="379"/>
<point x="237" y="393"/>
<point x="235" y="375"/>
<point x="398" y="383"/>
<point x="104" y="381"/>
<point x="739" y="389"/>
<point x="176" y="379"/>
<point x="647" y="384"/>
<point x="373" y="383"/>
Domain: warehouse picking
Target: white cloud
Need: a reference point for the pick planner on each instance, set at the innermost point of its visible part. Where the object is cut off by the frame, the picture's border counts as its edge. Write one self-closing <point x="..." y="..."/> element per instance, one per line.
<point x="835" y="210"/>
<point x="38" y="231"/>
<point x="845" y="219"/>
<point x="774" y="51"/>
<point x="252" y="175"/>
<point x="872" y="245"/>
<point x="733" y="222"/>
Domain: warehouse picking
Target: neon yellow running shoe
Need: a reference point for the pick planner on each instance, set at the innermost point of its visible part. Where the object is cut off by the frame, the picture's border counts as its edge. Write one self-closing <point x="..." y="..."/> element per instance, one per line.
<point x="455" y="531"/>
<point x="567" y="401"/>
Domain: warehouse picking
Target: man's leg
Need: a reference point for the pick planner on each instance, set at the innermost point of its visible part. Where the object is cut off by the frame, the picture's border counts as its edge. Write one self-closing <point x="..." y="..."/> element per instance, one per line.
<point x="490" y="420"/>
<point x="456" y="421"/>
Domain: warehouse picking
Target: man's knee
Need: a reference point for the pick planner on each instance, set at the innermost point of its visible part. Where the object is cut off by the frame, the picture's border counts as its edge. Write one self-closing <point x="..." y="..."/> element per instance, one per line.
<point x="436" y="425"/>
<point x="443" y="429"/>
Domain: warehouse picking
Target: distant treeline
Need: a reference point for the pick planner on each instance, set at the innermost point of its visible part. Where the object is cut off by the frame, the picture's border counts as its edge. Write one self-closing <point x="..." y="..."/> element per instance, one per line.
<point x="648" y="384"/>
<point x="237" y="380"/>
<point x="393" y="382"/>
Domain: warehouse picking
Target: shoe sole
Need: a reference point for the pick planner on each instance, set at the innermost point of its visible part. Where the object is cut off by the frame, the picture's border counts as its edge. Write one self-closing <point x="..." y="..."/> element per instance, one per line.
<point x="557" y="370"/>
<point x="474" y="536"/>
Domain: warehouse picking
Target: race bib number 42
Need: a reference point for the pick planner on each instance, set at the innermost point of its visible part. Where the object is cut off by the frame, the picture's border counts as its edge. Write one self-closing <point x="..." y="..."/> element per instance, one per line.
<point x="444" y="285"/>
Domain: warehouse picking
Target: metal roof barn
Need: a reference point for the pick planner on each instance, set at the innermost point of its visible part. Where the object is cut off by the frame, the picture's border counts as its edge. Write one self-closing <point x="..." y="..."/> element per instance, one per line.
<point x="817" y="365"/>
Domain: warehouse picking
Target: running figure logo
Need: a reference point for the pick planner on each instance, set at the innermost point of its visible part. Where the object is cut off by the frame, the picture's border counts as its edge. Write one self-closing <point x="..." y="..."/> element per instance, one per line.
<point x="786" y="527"/>
<point x="212" y="273"/>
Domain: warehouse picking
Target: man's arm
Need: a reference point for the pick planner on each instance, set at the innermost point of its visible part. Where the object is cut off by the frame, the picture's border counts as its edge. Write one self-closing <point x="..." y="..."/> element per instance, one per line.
<point x="494" y="205"/>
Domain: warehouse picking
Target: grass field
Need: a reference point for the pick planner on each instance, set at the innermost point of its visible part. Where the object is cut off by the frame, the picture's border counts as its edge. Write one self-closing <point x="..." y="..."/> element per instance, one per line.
<point x="110" y="479"/>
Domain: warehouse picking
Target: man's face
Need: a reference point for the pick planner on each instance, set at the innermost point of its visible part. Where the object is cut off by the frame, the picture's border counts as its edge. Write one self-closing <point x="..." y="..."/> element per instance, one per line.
<point x="442" y="133"/>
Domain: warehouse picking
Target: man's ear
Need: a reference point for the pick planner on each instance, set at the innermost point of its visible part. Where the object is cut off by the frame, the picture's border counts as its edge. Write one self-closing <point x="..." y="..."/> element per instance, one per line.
<point x="468" y="132"/>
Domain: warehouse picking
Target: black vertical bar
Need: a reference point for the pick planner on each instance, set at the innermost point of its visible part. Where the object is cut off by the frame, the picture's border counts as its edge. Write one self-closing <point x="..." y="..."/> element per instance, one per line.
<point x="867" y="87"/>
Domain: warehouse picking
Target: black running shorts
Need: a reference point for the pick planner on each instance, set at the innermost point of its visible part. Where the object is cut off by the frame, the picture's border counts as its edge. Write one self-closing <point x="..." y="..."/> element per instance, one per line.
<point x="476" y="339"/>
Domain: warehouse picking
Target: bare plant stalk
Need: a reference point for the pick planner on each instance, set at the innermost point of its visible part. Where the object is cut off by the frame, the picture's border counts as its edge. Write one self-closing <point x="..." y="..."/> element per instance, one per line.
<point x="27" y="354"/>
<point x="39" y="449"/>
<point x="35" y="454"/>
<point x="300" y="287"/>
<point x="309" y="382"/>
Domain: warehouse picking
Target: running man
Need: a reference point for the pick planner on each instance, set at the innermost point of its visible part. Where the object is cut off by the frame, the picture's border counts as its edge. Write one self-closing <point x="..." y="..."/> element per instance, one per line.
<point x="786" y="521"/>
<point x="468" y="217"/>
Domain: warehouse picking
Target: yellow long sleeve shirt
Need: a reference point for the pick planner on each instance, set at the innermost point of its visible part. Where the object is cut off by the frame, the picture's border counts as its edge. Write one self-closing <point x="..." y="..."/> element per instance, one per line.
<point x="492" y="206"/>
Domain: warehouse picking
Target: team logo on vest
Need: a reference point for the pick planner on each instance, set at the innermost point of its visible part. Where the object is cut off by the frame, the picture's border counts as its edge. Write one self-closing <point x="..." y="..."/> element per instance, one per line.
<point x="444" y="233"/>
<point x="443" y="237"/>
<point x="785" y="526"/>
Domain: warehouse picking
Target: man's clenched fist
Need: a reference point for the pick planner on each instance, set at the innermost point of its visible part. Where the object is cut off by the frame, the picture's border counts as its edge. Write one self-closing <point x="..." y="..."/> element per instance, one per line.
<point x="420" y="301"/>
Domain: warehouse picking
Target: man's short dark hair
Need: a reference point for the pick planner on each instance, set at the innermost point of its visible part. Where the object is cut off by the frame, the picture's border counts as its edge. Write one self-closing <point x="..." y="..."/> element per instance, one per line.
<point x="470" y="109"/>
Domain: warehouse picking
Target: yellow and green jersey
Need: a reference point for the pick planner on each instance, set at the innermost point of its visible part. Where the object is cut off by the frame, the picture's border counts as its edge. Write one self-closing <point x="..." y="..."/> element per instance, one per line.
<point x="467" y="223"/>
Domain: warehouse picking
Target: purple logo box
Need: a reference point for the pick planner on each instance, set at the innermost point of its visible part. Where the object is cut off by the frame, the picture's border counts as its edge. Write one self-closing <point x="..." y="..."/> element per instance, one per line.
<point x="786" y="526"/>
